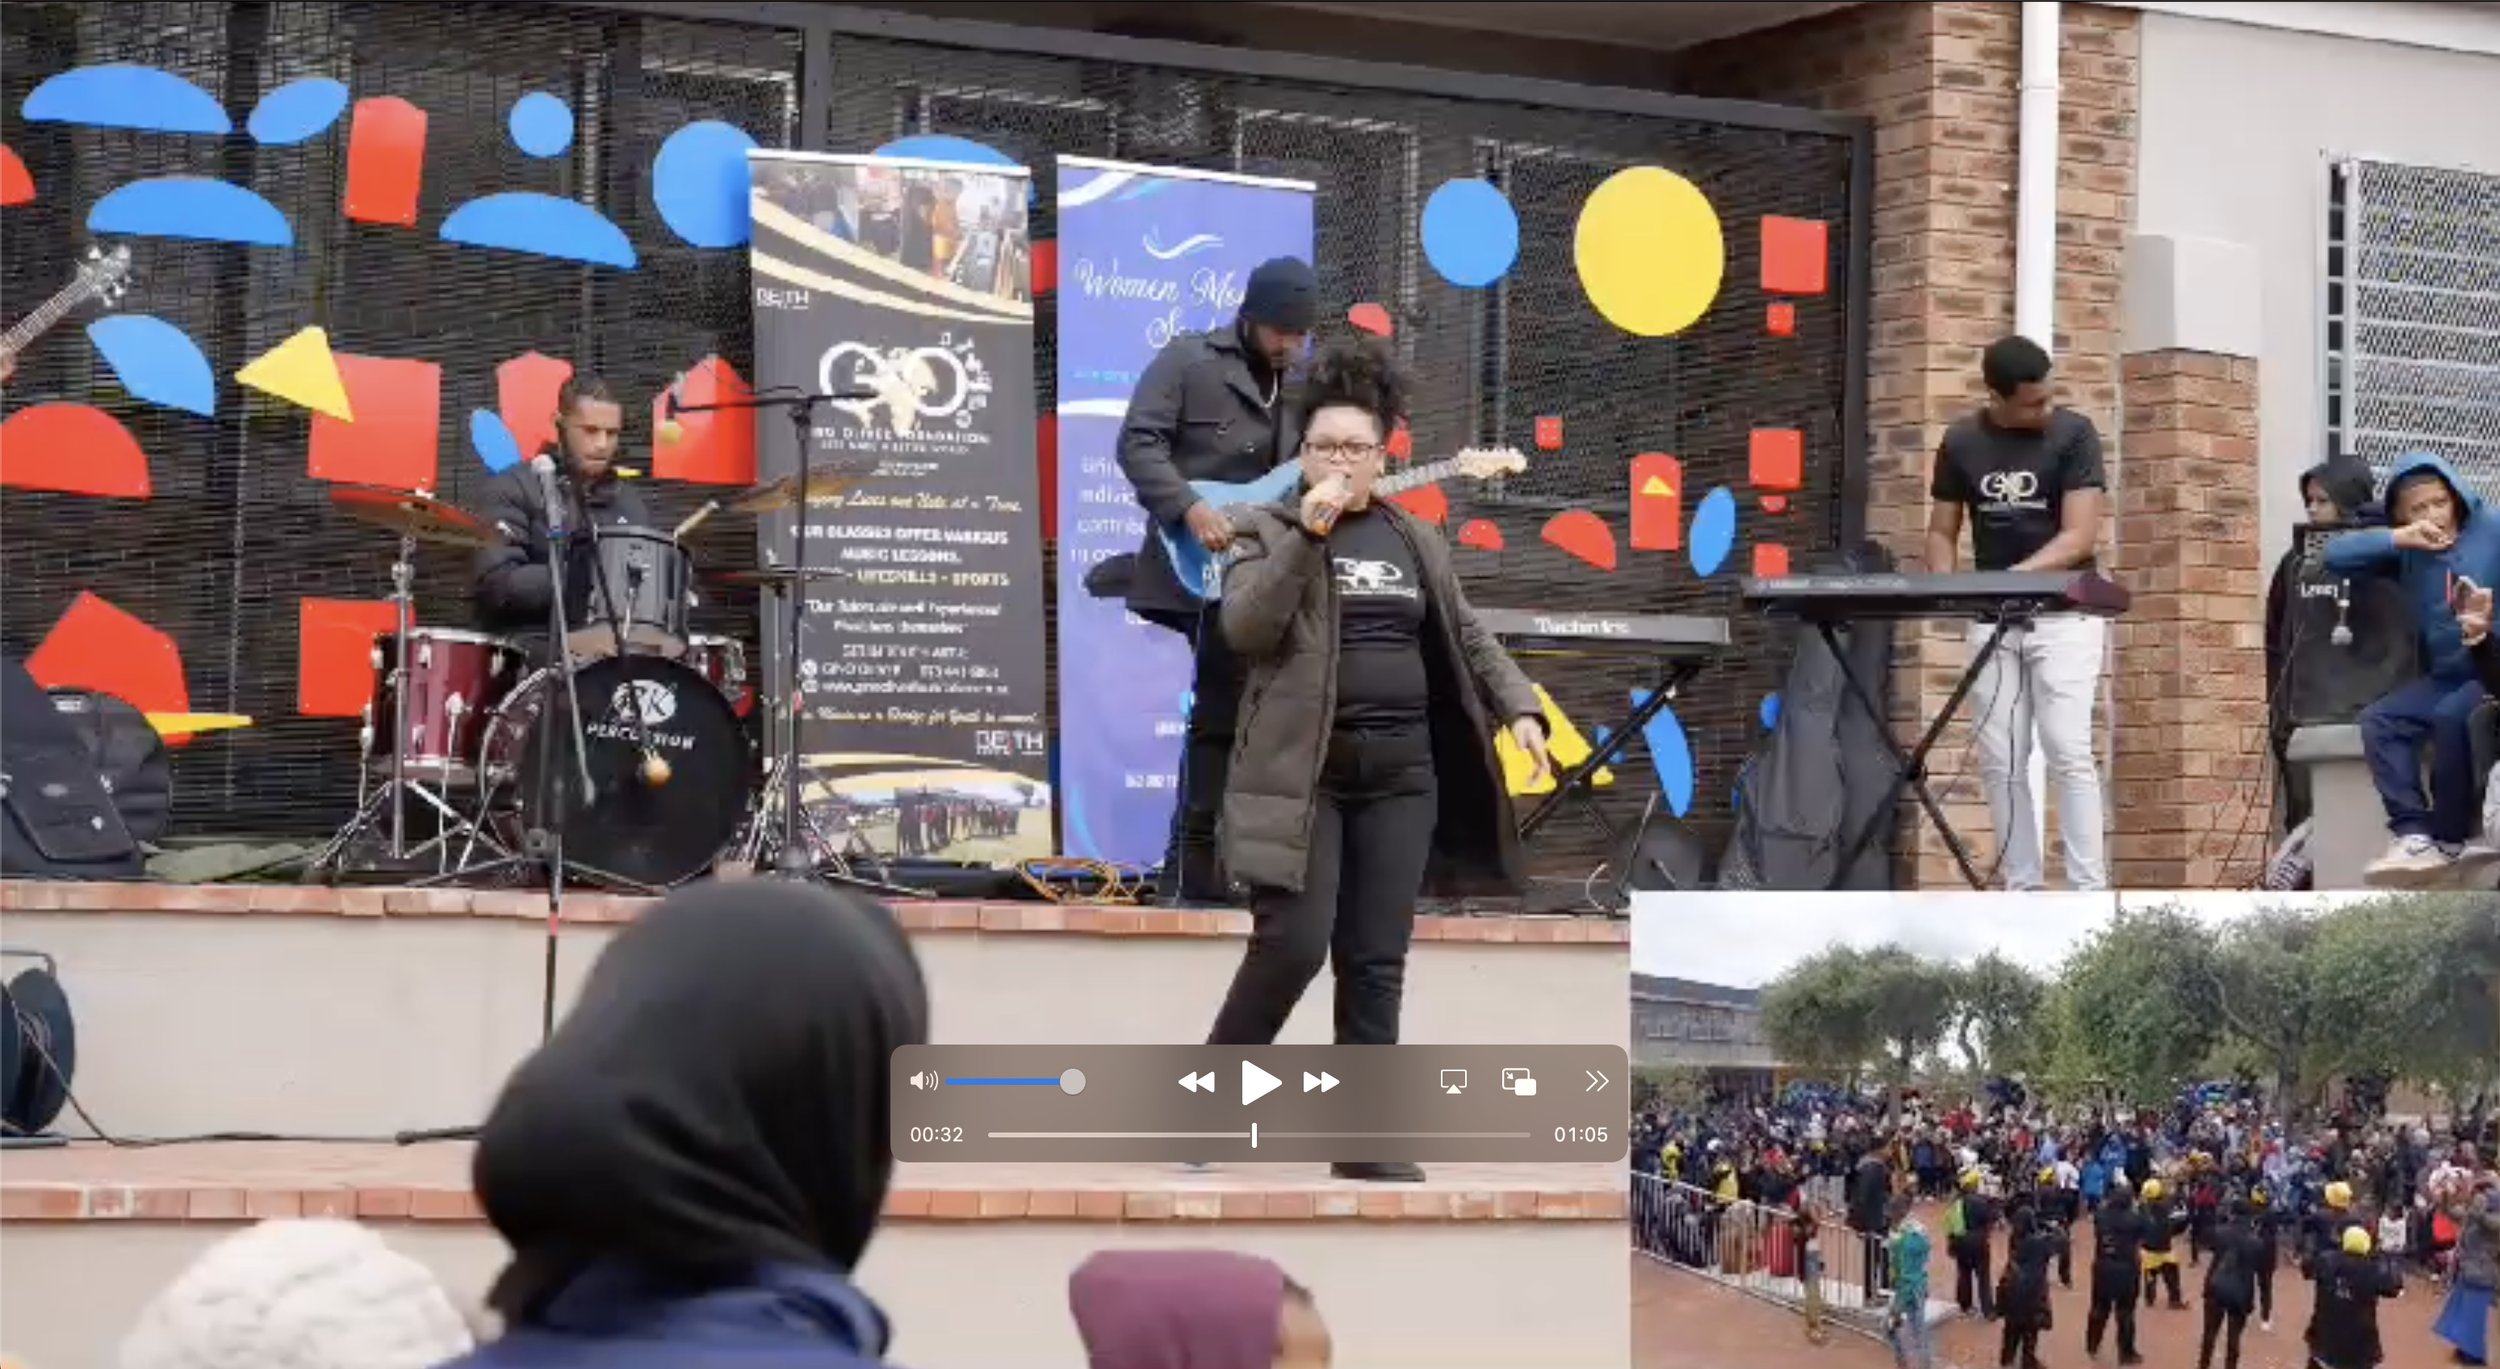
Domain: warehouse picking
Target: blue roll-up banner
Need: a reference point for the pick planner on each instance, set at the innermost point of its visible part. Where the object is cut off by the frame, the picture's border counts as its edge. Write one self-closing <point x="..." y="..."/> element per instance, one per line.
<point x="1145" y="254"/>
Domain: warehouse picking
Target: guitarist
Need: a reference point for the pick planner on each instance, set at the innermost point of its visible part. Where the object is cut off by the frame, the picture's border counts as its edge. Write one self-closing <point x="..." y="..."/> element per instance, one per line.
<point x="1211" y="406"/>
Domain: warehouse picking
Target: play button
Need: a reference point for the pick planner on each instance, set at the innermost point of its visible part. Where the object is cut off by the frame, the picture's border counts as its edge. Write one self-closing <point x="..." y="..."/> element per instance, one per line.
<point x="1256" y="1083"/>
<point x="1322" y="1081"/>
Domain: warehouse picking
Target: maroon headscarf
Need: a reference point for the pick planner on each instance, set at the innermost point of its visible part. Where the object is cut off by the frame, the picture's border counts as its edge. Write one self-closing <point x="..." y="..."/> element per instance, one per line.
<point x="1178" y="1309"/>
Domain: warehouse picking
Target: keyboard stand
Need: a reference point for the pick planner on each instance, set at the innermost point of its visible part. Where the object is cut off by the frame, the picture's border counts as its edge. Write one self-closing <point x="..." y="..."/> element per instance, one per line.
<point x="1577" y="785"/>
<point x="1910" y="767"/>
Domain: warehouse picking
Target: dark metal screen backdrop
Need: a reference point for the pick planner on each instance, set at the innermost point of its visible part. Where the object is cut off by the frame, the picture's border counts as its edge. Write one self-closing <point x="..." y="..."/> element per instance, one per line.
<point x="236" y="531"/>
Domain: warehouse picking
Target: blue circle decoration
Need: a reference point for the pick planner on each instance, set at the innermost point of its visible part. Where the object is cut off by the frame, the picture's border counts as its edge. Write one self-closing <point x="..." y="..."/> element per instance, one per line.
<point x="699" y="184"/>
<point x="541" y="124"/>
<point x="1713" y="533"/>
<point x="298" y="111"/>
<point x="1770" y="711"/>
<point x="1470" y="233"/>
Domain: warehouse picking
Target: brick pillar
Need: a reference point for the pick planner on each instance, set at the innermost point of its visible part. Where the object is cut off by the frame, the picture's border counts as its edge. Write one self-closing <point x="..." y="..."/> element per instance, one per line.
<point x="2189" y="807"/>
<point x="1941" y="81"/>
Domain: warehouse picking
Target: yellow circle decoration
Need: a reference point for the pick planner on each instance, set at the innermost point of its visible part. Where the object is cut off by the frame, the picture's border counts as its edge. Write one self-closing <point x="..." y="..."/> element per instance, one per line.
<point x="1650" y="251"/>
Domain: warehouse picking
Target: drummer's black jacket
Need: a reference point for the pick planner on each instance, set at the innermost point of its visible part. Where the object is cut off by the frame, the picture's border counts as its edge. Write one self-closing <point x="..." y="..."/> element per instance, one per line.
<point x="513" y="587"/>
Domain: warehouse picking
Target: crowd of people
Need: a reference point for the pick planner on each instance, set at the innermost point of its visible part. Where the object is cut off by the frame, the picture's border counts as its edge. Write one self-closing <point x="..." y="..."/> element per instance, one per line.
<point x="686" y="1174"/>
<point x="1857" y="1197"/>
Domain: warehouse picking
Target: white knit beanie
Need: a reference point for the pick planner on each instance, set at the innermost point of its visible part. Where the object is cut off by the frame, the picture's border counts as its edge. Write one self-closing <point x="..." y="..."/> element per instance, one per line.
<point x="314" y="1294"/>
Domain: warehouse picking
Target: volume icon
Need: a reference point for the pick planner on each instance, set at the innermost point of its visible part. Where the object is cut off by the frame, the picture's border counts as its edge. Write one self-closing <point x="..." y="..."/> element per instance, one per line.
<point x="925" y="1080"/>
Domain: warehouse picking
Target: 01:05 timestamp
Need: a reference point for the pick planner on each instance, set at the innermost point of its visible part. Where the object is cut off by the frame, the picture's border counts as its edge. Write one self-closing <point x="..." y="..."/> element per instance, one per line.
<point x="1582" y="1135"/>
<point x="937" y="1136"/>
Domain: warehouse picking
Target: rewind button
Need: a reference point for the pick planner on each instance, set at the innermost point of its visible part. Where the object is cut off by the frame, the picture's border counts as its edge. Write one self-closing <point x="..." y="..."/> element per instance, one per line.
<point x="1201" y="1082"/>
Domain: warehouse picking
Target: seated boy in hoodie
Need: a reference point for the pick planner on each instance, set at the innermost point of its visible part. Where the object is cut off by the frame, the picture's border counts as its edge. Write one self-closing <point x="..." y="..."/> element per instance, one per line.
<point x="2437" y="533"/>
<point x="2474" y="624"/>
<point x="2339" y="493"/>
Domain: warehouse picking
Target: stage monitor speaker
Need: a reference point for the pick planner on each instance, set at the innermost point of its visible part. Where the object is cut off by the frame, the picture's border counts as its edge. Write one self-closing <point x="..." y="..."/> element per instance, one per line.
<point x="2352" y="641"/>
<point x="57" y="820"/>
<point x="1661" y="855"/>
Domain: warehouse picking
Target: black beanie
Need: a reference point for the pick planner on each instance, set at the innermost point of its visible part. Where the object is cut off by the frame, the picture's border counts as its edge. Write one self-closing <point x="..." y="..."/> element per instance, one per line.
<point x="1283" y="294"/>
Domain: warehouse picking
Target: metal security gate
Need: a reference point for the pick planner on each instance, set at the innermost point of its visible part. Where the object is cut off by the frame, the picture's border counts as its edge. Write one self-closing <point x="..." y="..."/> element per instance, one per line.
<point x="2412" y="312"/>
<point x="237" y="532"/>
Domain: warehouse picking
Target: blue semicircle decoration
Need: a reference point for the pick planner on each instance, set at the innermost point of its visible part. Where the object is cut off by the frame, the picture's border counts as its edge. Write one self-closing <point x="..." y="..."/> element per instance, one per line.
<point x="123" y="95"/>
<point x="541" y="226"/>
<point x="1770" y="711"/>
<point x="492" y="441"/>
<point x="297" y="112"/>
<point x="191" y="207"/>
<point x="541" y="125"/>
<point x="1713" y="533"/>
<point x="1671" y="753"/>
<point x="156" y="362"/>
<point x="1470" y="233"/>
<point x="946" y="147"/>
<point x="699" y="183"/>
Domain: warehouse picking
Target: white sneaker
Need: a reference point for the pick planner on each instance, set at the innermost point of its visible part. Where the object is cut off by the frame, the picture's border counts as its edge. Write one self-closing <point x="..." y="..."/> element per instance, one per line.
<point x="2410" y="863"/>
<point x="2474" y="860"/>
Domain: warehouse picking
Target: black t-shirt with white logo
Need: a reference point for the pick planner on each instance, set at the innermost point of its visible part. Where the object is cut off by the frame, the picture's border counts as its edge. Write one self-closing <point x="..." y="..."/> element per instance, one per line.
<point x="1382" y="684"/>
<point x="2014" y="482"/>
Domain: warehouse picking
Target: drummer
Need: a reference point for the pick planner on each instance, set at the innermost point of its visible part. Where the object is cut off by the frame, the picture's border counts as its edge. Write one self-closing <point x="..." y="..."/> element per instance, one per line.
<point x="513" y="585"/>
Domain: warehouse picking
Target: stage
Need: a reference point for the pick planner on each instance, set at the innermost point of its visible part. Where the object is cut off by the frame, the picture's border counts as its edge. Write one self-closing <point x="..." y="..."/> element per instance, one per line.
<point x="357" y="1013"/>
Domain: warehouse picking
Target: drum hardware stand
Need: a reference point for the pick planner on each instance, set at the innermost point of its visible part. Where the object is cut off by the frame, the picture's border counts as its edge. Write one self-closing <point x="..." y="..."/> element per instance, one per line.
<point x="369" y="802"/>
<point x="793" y="858"/>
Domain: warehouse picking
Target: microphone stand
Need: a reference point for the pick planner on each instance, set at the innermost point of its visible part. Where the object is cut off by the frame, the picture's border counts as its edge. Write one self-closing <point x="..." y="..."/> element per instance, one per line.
<point x="547" y="835"/>
<point x="793" y="860"/>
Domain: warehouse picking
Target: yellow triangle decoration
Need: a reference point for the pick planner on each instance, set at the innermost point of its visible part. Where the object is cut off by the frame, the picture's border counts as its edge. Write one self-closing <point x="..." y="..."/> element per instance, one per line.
<point x="1657" y="486"/>
<point x="1563" y="743"/>
<point x="302" y="372"/>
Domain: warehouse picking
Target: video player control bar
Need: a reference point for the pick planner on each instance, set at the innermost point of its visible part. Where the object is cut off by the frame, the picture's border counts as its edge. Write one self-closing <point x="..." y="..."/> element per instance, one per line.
<point x="1283" y="1103"/>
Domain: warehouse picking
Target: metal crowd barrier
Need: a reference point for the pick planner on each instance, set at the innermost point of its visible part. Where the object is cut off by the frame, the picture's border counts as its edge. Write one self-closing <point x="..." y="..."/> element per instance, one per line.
<point x="1757" y="1250"/>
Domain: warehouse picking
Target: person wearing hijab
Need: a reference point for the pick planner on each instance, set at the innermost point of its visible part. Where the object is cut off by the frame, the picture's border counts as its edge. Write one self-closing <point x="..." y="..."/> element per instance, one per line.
<point x="692" y="1165"/>
<point x="322" y="1294"/>
<point x="1194" y="1309"/>
<point x="2339" y="493"/>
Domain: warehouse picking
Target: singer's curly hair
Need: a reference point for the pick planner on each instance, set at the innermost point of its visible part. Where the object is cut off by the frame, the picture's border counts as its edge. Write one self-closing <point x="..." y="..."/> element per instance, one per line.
<point x="1359" y="375"/>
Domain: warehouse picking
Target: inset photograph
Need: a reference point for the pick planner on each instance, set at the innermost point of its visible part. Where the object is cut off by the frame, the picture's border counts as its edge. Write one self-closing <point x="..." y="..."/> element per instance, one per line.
<point x="2232" y="1131"/>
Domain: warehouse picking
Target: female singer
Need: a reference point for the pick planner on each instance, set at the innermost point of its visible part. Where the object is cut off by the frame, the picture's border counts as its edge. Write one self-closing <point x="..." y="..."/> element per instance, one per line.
<point x="1365" y="748"/>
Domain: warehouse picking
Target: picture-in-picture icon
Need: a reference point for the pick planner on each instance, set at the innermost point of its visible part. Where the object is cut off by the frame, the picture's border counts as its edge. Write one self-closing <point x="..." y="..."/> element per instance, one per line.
<point x="1519" y="1081"/>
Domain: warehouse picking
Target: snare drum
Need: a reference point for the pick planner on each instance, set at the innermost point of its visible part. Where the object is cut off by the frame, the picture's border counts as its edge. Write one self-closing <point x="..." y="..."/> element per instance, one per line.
<point x="723" y="661"/>
<point x="631" y="577"/>
<point x="453" y="680"/>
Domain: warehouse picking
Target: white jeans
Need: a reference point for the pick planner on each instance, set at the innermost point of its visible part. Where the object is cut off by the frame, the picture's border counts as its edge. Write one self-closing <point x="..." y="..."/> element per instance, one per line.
<point x="2045" y="677"/>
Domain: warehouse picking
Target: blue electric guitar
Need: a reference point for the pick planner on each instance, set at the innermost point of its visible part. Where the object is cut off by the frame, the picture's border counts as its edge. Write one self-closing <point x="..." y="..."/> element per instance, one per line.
<point x="1201" y="572"/>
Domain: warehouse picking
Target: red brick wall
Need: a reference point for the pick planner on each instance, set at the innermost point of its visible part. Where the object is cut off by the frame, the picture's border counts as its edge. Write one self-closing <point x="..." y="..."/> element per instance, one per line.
<point x="2188" y="788"/>
<point x="1940" y="81"/>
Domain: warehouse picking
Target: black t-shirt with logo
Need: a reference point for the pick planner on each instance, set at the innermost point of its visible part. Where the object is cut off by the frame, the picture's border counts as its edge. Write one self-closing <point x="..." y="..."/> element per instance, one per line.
<point x="1382" y="684"/>
<point x="2014" y="482"/>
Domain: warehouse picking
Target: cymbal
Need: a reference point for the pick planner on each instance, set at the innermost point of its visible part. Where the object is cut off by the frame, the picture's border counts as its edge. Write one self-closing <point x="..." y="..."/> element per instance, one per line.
<point x="825" y="480"/>
<point x="772" y="577"/>
<point x="421" y="516"/>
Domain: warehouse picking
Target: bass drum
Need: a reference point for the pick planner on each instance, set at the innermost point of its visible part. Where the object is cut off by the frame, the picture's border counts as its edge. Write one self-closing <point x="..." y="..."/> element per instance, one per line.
<point x="651" y="828"/>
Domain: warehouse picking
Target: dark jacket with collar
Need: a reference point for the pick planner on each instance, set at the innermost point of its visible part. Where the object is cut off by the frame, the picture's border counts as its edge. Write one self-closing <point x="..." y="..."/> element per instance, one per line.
<point x="1280" y="613"/>
<point x="513" y="586"/>
<point x="1200" y="412"/>
<point x="786" y="1317"/>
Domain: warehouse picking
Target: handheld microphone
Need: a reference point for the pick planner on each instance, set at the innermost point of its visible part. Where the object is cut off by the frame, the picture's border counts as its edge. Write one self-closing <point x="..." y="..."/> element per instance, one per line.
<point x="545" y="465"/>
<point x="1325" y="516"/>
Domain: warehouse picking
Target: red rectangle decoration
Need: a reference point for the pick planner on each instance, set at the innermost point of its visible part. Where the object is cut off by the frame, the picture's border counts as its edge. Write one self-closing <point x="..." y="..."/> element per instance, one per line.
<point x="334" y="672"/>
<point x="1657" y="502"/>
<point x="1777" y="460"/>
<point x="396" y="440"/>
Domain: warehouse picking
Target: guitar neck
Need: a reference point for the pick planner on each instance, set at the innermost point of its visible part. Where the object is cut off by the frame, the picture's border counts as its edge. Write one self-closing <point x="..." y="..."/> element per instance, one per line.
<point x="48" y="313"/>
<point x="1416" y="477"/>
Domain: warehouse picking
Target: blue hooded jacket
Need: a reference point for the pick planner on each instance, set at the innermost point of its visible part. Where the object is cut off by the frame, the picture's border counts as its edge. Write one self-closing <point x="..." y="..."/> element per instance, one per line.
<point x="784" y="1317"/>
<point x="2426" y="576"/>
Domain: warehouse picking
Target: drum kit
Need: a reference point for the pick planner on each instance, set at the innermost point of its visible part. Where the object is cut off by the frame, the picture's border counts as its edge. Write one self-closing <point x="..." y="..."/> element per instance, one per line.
<point x="659" y="777"/>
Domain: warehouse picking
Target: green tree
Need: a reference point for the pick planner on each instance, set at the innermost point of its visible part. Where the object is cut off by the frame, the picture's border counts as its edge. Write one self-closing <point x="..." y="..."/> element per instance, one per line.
<point x="1910" y="1006"/>
<point x="1819" y="1016"/>
<point x="2412" y="985"/>
<point x="1996" y="1015"/>
<point x="2266" y="971"/>
<point x="2139" y="1003"/>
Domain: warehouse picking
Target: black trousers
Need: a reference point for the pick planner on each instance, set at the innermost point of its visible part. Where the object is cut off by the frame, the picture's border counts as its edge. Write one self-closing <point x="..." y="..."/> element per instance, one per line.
<point x="1192" y="865"/>
<point x="1371" y="837"/>
<point x="2019" y="1348"/>
<point x="2229" y="1322"/>
<point x="1972" y="1287"/>
<point x="2114" y="1289"/>
<point x="2163" y="1279"/>
<point x="2265" y="1293"/>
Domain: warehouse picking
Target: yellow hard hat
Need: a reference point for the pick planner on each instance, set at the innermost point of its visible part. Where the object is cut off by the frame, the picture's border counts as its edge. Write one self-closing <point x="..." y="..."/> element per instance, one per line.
<point x="2152" y="1190"/>
<point x="2049" y="1175"/>
<point x="2339" y="1194"/>
<point x="1970" y="1178"/>
<point x="2356" y="1241"/>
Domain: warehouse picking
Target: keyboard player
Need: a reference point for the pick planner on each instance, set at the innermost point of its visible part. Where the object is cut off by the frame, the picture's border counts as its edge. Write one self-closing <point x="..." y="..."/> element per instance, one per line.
<point x="2026" y="475"/>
